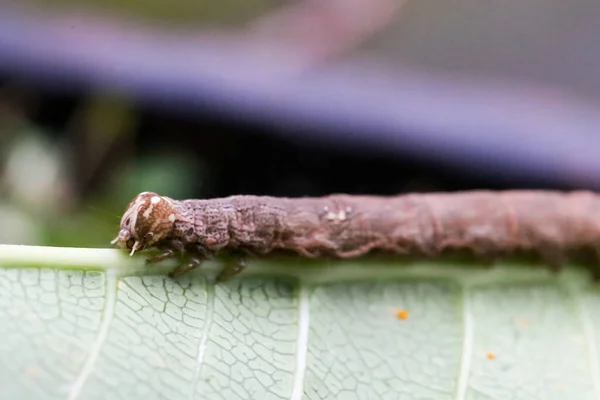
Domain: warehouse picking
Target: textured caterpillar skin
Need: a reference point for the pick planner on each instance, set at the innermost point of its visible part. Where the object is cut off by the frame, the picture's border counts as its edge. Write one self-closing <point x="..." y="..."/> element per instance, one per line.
<point x="485" y="223"/>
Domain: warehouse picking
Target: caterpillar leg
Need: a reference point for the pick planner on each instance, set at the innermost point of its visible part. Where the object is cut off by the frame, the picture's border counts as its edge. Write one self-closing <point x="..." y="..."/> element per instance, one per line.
<point x="486" y="256"/>
<point x="168" y="253"/>
<point x="194" y="263"/>
<point x="596" y="267"/>
<point x="199" y="250"/>
<point x="553" y="257"/>
<point x="176" y="247"/>
<point x="232" y="269"/>
<point x="199" y="253"/>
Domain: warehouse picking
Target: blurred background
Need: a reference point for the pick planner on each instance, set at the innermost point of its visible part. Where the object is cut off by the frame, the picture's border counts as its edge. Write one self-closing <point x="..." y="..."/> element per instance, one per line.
<point x="100" y="100"/>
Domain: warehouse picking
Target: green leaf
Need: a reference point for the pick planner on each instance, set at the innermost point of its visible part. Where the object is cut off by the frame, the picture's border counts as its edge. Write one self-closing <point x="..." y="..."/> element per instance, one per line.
<point x="96" y="324"/>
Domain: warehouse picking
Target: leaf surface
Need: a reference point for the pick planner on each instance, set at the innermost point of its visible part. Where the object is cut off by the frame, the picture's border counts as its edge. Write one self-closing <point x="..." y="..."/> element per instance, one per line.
<point x="94" y="324"/>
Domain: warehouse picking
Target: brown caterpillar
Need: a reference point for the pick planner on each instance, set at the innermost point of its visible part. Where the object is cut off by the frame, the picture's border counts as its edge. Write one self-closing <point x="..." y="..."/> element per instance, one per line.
<point x="342" y="226"/>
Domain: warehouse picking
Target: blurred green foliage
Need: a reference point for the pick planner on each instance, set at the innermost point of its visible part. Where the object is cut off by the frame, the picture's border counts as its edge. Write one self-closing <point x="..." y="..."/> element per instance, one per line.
<point x="70" y="187"/>
<point x="96" y="221"/>
<point x="176" y="13"/>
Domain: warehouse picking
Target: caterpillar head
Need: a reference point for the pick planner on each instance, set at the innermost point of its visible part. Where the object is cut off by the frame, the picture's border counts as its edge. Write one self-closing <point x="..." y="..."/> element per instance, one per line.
<point x="148" y="219"/>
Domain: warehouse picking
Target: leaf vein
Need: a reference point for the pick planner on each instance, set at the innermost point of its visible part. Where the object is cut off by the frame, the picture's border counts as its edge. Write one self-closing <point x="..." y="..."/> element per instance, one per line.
<point x="302" y="341"/>
<point x="210" y="309"/>
<point x="109" y="312"/>
<point x="467" y="348"/>
<point x="588" y="331"/>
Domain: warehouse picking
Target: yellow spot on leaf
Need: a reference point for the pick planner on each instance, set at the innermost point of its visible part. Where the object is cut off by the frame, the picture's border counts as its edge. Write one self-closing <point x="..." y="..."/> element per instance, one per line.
<point x="402" y="314"/>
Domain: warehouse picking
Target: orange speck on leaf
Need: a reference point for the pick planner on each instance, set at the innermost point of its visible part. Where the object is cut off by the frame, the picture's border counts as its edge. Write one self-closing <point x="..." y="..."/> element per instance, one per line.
<point x="33" y="371"/>
<point x="402" y="314"/>
<point x="491" y="355"/>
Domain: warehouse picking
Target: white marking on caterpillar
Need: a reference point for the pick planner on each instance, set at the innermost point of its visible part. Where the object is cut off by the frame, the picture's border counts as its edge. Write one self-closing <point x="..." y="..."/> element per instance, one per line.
<point x="139" y="201"/>
<point x="148" y="212"/>
<point x="336" y="217"/>
<point x="154" y="200"/>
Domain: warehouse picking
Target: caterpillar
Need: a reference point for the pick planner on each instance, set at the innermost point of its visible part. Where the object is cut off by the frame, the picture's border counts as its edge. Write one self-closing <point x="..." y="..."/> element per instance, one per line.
<point x="485" y="223"/>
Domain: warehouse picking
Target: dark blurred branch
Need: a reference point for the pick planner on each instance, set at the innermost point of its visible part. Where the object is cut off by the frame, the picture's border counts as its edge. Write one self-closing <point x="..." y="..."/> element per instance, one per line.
<point x="497" y="127"/>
